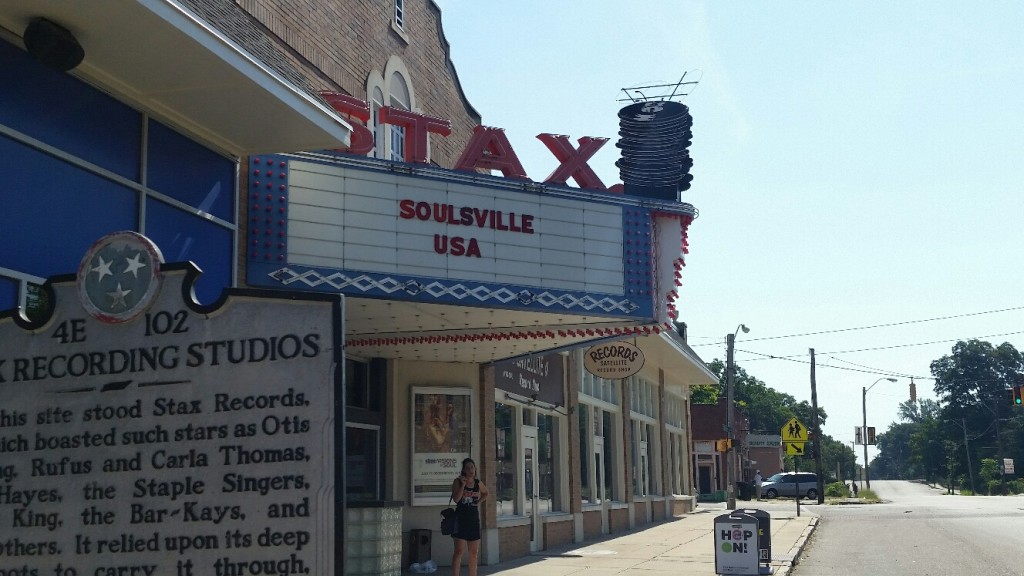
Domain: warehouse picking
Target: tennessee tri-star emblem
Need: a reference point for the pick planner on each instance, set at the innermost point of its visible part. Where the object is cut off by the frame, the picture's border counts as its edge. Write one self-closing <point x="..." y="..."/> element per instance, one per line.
<point x="119" y="277"/>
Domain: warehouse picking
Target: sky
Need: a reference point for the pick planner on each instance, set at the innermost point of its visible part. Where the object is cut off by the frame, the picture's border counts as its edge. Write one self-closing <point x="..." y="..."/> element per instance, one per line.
<point x="857" y="169"/>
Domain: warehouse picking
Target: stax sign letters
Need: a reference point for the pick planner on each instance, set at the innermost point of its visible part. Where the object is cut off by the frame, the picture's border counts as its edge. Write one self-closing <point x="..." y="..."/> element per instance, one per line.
<point x="488" y="149"/>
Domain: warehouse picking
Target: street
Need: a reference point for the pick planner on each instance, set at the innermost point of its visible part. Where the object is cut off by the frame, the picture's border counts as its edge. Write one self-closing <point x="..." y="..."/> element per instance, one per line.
<point x="917" y="530"/>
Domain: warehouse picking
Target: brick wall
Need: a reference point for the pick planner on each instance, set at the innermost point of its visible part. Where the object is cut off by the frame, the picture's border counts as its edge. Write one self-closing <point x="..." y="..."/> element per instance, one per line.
<point x="658" y="512"/>
<point x="573" y="406"/>
<point x="640" y="512"/>
<point x="626" y="473"/>
<point x="558" y="533"/>
<point x="489" y="450"/>
<point x="618" y="520"/>
<point x="591" y="524"/>
<point x="337" y="43"/>
<point x="514" y="542"/>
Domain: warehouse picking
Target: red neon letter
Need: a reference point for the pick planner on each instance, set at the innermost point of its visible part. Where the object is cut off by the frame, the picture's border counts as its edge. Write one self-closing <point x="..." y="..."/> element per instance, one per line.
<point x="362" y="138"/>
<point x="416" y="128"/>
<point x="489" y="149"/>
<point x="573" y="161"/>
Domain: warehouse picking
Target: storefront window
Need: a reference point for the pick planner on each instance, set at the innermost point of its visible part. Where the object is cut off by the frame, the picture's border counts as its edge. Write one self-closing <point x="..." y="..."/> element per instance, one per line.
<point x="675" y="428"/>
<point x="586" y="482"/>
<point x="609" y="450"/>
<point x="549" y="464"/>
<point x="365" y="428"/>
<point x="505" y="444"/>
<point x="361" y="464"/>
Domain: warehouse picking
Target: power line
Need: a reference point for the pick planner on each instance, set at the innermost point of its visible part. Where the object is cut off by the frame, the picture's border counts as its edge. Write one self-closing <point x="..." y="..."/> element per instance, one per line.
<point x="895" y="346"/>
<point x="887" y="325"/>
<point x="807" y="362"/>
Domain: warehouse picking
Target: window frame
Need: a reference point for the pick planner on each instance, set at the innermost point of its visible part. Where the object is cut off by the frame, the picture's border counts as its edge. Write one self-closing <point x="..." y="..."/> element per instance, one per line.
<point x="399" y="19"/>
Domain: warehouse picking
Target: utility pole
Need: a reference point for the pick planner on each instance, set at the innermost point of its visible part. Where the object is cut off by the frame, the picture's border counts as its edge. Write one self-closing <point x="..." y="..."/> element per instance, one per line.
<point x="967" y="449"/>
<point x="730" y="469"/>
<point x="864" y="431"/>
<point x="730" y="453"/>
<point x="815" y="424"/>
<point x="999" y="448"/>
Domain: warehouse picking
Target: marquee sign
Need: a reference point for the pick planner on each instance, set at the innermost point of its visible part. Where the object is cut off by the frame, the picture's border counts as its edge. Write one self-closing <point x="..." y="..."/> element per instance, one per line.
<point x="328" y="224"/>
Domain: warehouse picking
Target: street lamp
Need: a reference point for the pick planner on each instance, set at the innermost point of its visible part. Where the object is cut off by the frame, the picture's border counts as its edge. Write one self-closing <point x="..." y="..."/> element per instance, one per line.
<point x="730" y="466"/>
<point x="864" y="429"/>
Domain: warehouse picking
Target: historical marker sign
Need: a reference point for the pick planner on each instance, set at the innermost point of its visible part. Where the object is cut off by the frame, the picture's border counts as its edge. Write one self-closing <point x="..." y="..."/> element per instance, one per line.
<point x="141" y="433"/>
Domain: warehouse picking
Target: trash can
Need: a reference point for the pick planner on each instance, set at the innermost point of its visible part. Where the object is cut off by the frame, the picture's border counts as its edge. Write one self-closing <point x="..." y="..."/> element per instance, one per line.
<point x="419" y="545"/>
<point x="764" y="537"/>
<point x="744" y="490"/>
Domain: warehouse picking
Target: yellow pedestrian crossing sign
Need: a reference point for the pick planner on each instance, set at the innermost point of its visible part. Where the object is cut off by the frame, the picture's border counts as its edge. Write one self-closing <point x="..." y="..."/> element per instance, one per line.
<point x="794" y="431"/>
<point x="795" y="448"/>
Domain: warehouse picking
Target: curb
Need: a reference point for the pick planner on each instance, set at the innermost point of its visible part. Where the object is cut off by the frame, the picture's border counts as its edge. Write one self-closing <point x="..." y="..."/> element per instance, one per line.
<point x="798" y="548"/>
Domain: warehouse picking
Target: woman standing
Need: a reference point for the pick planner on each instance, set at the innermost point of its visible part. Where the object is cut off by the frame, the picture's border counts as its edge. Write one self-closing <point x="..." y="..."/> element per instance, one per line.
<point x="467" y="492"/>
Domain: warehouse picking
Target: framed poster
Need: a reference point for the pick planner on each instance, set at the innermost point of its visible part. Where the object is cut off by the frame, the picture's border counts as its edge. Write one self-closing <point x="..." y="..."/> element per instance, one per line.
<point x="441" y="425"/>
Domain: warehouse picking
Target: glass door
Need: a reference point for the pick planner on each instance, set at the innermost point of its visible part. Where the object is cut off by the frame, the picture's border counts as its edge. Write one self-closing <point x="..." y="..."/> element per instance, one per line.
<point x="531" y="488"/>
<point x="600" y="487"/>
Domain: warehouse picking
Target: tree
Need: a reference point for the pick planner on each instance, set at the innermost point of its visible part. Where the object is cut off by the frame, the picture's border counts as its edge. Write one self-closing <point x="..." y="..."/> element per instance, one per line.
<point x="929" y="450"/>
<point x="975" y="374"/>
<point x="767" y="409"/>
<point x="895" y="458"/>
<point x="919" y="411"/>
<point x="972" y="383"/>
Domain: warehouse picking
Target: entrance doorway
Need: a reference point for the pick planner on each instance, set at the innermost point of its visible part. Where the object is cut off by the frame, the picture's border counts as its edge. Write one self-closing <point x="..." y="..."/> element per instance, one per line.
<point x="531" y="492"/>
<point x="704" y="480"/>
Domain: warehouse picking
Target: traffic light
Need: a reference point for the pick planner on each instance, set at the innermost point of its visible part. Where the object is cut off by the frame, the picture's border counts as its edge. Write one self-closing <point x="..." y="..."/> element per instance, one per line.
<point x="913" y="391"/>
<point x="723" y="445"/>
<point x="1016" y="392"/>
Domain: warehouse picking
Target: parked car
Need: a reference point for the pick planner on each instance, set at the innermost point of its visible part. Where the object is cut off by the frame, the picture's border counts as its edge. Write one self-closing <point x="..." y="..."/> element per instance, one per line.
<point x="790" y="484"/>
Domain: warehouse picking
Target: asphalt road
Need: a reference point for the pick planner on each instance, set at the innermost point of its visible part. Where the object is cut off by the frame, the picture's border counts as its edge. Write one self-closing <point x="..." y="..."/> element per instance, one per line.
<point x="917" y="530"/>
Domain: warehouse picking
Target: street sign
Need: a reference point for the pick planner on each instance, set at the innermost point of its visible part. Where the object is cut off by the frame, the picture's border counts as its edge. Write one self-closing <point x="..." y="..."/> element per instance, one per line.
<point x="794" y="431"/>
<point x="1008" y="465"/>
<point x="795" y="448"/>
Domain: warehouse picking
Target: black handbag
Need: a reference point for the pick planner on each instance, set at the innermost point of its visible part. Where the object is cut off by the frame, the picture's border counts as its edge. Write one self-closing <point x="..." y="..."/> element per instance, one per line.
<point x="449" y="520"/>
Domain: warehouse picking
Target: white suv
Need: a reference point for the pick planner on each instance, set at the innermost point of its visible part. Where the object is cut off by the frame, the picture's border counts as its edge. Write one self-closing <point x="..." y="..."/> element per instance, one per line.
<point x="790" y="484"/>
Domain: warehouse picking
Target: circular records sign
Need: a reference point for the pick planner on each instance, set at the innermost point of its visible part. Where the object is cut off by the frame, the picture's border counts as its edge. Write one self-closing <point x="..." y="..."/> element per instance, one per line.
<point x="613" y="360"/>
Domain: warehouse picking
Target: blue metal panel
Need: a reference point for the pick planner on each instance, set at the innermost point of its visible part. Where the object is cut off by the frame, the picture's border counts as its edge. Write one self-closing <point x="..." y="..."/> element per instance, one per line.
<point x="446" y="291"/>
<point x="184" y="237"/>
<point x="53" y="211"/>
<point x="65" y="113"/>
<point x="268" y="209"/>
<point x="186" y="171"/>
<point x="8" y="293"/>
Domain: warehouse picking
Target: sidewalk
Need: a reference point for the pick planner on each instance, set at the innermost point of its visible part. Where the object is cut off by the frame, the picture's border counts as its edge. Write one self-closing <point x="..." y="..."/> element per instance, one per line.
<point x="680" y="546"/>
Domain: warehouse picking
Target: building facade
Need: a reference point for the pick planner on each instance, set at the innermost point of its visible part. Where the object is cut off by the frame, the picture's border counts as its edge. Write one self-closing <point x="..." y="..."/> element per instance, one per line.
<point x="328" y="147"/>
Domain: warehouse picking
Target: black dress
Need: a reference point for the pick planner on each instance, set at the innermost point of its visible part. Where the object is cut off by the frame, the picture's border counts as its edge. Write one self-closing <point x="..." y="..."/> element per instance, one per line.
<point x="468" y="512"/>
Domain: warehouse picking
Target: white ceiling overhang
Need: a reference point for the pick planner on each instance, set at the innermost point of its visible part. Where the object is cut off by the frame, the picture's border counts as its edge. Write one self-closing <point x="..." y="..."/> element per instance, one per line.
<point x="682" y="366"/>
<point x="446" y="333"/>
<point x="161" y="58"/>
